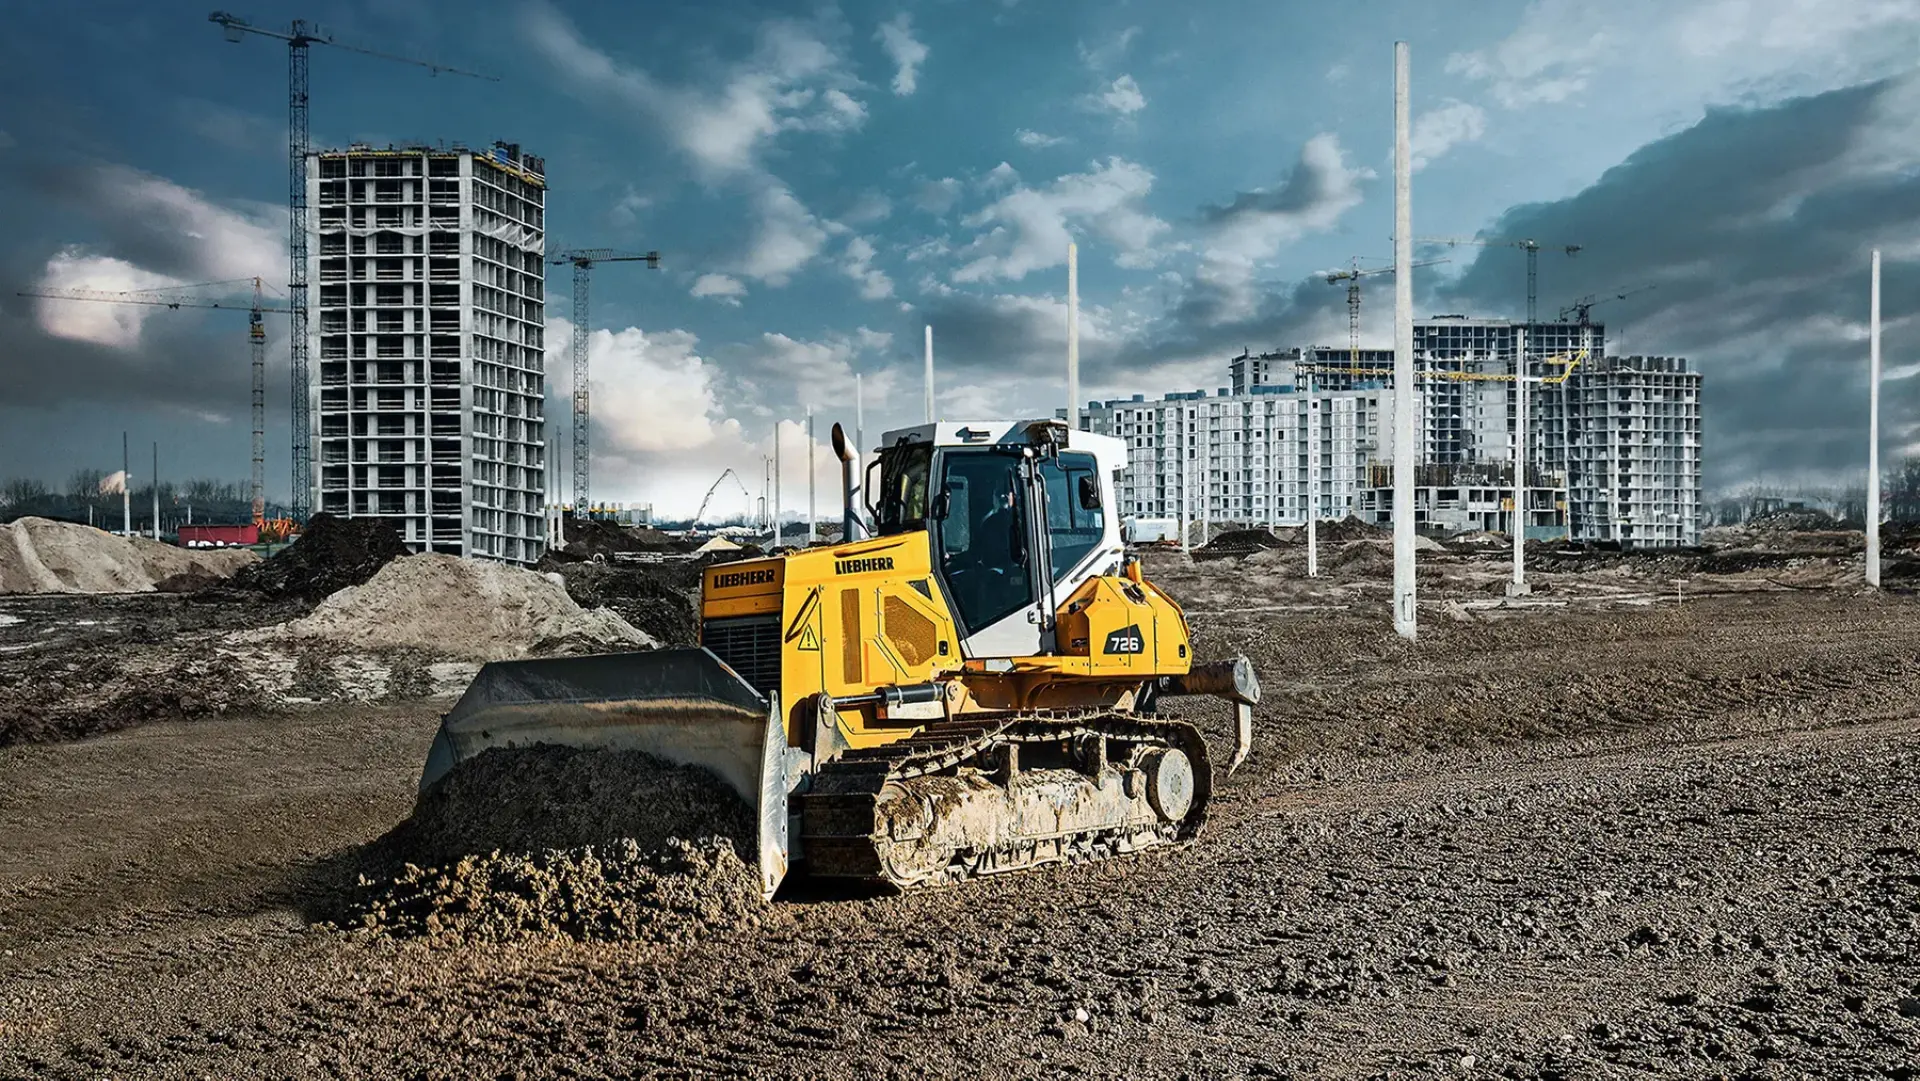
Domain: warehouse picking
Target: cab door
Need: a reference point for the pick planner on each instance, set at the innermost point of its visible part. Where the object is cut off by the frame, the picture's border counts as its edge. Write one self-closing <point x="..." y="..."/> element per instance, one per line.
<point x="985" y="513"/>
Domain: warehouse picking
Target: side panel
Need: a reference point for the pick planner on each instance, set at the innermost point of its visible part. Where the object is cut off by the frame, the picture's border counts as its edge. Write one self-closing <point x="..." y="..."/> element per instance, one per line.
<point x="860" y="616"/>
<point x="1117" y="627"/>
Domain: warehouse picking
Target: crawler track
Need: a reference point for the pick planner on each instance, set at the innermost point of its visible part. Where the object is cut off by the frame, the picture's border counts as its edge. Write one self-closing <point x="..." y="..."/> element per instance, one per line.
<point x="869" y="814"/>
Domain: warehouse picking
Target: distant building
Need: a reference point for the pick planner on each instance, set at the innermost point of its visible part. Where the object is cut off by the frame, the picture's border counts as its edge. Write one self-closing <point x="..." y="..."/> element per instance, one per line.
<point x="428" y="333"/>
<point x="1244" y="457"/>
<point x="1613" y="449"/>
<point x="1634" y="425"/>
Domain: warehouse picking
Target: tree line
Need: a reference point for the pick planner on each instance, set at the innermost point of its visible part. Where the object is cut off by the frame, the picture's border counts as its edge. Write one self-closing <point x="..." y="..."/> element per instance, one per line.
<point x="80" y="499"/>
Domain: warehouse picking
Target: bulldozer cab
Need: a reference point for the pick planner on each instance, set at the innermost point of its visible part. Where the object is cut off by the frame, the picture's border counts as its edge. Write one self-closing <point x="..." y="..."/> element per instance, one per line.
<point x="1017" y="519"/>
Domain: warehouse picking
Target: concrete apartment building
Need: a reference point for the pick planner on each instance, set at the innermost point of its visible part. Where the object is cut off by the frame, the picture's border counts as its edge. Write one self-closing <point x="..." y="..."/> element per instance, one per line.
<point x="1637" y="419"/>
<point x="428" y="339"/>
<point x="1635" y="427"/>
<point x="1245" y="457"/>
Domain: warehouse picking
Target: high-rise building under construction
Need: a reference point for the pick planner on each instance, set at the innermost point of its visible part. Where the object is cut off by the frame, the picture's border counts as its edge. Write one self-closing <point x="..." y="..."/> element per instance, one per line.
<point x="429" y="316"/>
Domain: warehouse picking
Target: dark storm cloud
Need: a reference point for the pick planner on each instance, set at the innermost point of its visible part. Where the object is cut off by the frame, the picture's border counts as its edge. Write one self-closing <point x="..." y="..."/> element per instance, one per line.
<point x="1753" y="228"/>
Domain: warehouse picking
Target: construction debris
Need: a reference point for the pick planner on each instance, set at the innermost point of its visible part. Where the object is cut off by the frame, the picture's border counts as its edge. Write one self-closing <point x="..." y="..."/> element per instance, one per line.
<point x="464" y="608"/>
<point x="330" y="555"/>
<point x="39" y="555"/>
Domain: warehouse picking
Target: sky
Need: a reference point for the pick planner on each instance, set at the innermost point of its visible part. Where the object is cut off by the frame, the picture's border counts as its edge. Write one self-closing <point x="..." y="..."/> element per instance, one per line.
<point x="824" y="180"/>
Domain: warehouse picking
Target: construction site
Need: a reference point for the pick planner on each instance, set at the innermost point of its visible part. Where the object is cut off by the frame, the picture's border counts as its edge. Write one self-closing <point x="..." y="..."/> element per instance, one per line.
<point x="1647" y="818"/>
<point x="1327" y="725"/>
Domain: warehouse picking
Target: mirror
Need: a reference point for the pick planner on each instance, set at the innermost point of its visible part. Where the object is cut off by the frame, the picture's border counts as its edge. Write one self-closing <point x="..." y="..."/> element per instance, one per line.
<point x="942" y="506"/>
<point x="1089" y="492"/>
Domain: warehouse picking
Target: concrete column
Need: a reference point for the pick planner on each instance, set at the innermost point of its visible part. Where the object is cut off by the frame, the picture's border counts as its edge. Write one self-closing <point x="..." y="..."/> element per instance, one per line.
<point x="1873" y="427"/>
<point x="1405" y="620"/>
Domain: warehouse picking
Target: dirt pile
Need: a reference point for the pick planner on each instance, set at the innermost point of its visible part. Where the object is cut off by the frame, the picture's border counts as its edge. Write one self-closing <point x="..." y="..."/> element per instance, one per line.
<point x="661" y="599"/>
<point x="464" y="608"/>
<point x="556" y="842"/>
<point x="1350" y="529"/>
<point x="587" y="539"/>
<point x="330" y="555"/>
<point x="1240" y="542"/>
<point x="39" y="555"/>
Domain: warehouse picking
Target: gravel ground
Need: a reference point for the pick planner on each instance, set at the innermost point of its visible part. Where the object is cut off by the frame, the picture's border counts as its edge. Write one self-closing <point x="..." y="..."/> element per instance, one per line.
<point x="1635" y="838"/>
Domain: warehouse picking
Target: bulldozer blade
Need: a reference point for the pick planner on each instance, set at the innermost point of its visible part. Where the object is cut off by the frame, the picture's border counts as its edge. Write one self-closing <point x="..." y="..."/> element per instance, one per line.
<point x="683" y="706"/>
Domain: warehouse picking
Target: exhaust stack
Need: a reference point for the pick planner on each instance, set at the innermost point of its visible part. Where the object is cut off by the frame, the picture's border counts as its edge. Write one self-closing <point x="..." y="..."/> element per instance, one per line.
<point x="850" y="521"/>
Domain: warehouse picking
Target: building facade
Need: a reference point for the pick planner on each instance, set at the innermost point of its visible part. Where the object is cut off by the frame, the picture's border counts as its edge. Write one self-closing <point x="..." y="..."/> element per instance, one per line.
<point x="428" y="339"/>
<point x="1634" y="424"/>
<point x="1246" y="457"/>
<point x="1613" y="444"/>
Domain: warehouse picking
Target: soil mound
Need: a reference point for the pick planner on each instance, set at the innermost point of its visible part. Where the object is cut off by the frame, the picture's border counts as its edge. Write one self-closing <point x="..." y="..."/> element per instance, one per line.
<point x="1350" y="529"/>
<point x="466" y="608"/>
<point x="187" y="582"/>
<point x="661" y="599"/>
<point x="587" y="539"/>
<point x="1794" y="520"/>
<point x="39" y="555"/>
<point x="330" y="554"/>
<point x="557" y="842"/>
<point x="1241" y="540"/>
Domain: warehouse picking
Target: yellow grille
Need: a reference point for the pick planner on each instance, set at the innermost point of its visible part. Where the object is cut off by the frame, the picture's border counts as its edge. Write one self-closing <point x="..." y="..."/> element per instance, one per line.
<point x="850" y="637"/>
<point x="913" y="634"/>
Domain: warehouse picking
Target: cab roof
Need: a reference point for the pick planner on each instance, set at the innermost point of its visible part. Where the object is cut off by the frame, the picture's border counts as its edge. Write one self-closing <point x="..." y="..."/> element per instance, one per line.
<point x="1109" y="451"/>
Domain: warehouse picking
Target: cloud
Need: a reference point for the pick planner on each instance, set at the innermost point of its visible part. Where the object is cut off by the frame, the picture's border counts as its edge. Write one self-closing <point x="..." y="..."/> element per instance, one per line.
<point x="669" y="416"/>
<point x="1439" y="130"/>
<point x="169" y="229"/>
<point x="7" y="140"/>
<point x="1754" y="224"/>
<point x="1033" y="140"/>
<point x="1028" y="228"/>
<point x="628" y="208"/>
<point x="857" y="263"/>
<point x="153" y="234"/>
<point x="1101" y="57"/>
<point x="793" y="81"/>
<point x="1122" y="98"/>
<point x="1692" y="52"/>
<point x="936" y="197"/>
<point x="869" y="208"/>
<point x="719" y="287"/>
<point x="116" y="325"/>
<point x="787" y="237"/>
<point x="907" y="53"/>
<point x="1249" y="230"/>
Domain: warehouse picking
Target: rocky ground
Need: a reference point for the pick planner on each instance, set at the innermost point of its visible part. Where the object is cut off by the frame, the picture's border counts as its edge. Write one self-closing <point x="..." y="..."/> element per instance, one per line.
<point x="1637" y="830"/>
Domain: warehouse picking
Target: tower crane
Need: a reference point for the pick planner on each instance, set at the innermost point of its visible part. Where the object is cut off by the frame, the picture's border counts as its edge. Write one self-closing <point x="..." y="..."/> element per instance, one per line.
<point x="1352" y="278"/>
<point x="583" y="260"/>
<point x="1580" y="308"/>
<point x="1530" y="246"/>
<point x="302" y="34"/>
<point x="724" y="474"/>
<point x="176" y="299"/>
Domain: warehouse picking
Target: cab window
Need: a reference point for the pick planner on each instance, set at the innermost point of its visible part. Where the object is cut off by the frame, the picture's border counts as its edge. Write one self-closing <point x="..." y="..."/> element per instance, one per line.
<point x="902" y="503"/>
<point x="982" y="530"/>
<point x="1074" y="527"/>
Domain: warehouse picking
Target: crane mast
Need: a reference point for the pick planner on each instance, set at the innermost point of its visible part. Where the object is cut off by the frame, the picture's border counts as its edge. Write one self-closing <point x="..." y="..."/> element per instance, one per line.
<point x="299" y="37"/>
<point x="256" y="347"/>
<point x="583" y="260"/>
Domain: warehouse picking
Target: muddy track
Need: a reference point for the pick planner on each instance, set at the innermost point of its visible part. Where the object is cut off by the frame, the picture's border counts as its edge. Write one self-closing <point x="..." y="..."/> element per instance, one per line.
<point x="1675" y="841"/>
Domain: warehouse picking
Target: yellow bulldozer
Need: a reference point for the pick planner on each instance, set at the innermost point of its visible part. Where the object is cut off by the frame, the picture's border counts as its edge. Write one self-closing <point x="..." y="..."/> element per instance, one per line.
<point x="971" y="689"/>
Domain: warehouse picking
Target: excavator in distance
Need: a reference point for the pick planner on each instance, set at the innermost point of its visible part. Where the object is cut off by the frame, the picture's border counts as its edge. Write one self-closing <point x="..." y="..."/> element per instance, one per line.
<point x="974" y="689"/>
